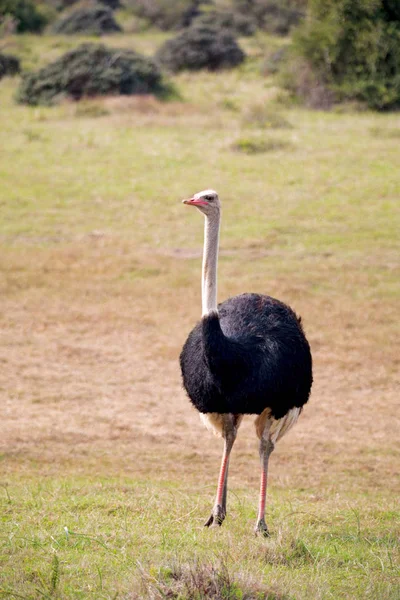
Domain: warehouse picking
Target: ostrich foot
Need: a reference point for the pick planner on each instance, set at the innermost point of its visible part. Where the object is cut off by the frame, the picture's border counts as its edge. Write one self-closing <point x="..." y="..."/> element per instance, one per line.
<point x="261" y="528"/>
<point x="216" y="517"/>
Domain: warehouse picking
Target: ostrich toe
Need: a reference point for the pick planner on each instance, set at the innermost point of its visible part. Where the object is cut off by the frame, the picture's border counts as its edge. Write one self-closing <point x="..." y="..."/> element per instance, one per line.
<point x="216" y="518"/>
<point x="261" y="528"/>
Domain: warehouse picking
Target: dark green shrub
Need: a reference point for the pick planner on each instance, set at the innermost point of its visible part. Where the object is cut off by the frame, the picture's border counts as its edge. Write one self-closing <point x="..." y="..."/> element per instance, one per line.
<point x="238" y="23"/>
<point x="244" y="25"/>
<point x="63" y="4"/>
<point x="274" y="16"/>
<point x="91" y="70"/>
<point x="351" y="48"/>
<point x="167" y="14"/>
<point x="60" y="5"/>
<point x="9" y="65"/>
<point x="27" y="16"/>
<point x="113" y="4"/>
<point x="94" y="19"/>
<point x="201" y="47"/>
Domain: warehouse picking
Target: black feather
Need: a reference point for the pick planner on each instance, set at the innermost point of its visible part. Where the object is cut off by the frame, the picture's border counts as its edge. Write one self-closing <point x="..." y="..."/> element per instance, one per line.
<point x="250" y="356"/>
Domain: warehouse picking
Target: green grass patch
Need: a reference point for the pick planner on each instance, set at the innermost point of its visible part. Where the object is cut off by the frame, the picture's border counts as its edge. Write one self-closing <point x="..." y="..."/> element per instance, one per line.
<point x="264" y="116"/>
<point x="98" y="537"/>
<point x="259" y="145"/>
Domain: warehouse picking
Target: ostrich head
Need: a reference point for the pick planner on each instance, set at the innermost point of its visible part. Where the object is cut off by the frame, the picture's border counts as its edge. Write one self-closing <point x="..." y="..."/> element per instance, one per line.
<point x="206" y="201"/>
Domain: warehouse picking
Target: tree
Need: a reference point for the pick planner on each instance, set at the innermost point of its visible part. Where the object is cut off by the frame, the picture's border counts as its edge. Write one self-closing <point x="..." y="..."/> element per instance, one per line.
<point x="25" y="13"/>
<point x="352" y="49"/>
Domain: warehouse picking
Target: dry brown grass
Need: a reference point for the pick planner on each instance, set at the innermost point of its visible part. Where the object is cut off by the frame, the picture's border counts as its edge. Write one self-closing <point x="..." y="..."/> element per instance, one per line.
<point x="91" y="335"/>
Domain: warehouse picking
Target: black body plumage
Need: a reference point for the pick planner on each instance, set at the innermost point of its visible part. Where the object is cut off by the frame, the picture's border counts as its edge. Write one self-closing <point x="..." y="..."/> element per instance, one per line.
<point x="251" y="356"/>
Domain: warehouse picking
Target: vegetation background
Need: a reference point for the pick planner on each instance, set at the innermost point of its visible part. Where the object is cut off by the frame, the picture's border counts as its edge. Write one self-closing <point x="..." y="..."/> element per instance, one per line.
<point x="106" y="472"/>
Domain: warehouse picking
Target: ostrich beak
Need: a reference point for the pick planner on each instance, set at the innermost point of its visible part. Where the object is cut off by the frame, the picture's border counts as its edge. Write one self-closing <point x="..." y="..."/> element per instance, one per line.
<point x="195" y="202"/>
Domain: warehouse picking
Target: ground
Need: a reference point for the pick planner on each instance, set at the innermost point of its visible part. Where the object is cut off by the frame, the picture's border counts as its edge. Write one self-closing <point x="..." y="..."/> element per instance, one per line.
<point x="107" y="472"/>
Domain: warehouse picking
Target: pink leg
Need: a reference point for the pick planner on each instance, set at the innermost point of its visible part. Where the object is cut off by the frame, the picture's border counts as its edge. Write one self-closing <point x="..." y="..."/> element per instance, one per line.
<point x="222" y="476"/>
<point x="266" y="447"/>
<point x="263" y="493"/>
<point x="219" y="511"/>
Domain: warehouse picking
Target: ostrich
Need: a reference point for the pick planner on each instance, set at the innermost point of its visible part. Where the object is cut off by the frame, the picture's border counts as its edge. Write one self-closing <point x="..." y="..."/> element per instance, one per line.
<point x="249" y="355"/>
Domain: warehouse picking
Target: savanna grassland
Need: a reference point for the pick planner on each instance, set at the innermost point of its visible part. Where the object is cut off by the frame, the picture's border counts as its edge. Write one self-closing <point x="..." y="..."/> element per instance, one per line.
<point x="107" y="474"/>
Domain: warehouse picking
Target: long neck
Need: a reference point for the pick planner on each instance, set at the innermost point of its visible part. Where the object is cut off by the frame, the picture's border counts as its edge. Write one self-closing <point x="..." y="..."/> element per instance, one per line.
<point x="210" y="261"/>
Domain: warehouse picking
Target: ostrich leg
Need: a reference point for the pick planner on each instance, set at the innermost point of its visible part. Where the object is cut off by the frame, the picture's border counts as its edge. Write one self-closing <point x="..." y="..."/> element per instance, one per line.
<point x="230" y="427"/>
<point x="266" y="447"/>
<point x="225" y="492"/>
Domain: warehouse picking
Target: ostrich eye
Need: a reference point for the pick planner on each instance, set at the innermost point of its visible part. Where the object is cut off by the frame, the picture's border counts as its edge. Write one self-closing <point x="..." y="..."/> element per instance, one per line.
<point x="208" y="198"/>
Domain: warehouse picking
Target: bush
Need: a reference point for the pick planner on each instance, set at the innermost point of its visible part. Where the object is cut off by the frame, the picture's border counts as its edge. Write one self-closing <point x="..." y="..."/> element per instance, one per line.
<point x="167" y="14"/>
<point x="9" y="65"/>
<point x="240" y="24"/>
<point x="274" y="16"/>
<point x="91" y="70"/>
<point x="201" y="47"/>
<point x="28" y="17"/>
<point x="95" y="19"/>
<point x="113" y="4"/>
<point x="63" y="4"/>
<point x="351" y="48"/>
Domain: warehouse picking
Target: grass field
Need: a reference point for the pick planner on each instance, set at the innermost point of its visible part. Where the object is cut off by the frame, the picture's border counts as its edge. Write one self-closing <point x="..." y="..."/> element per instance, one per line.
<point x="107" y="474"/>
